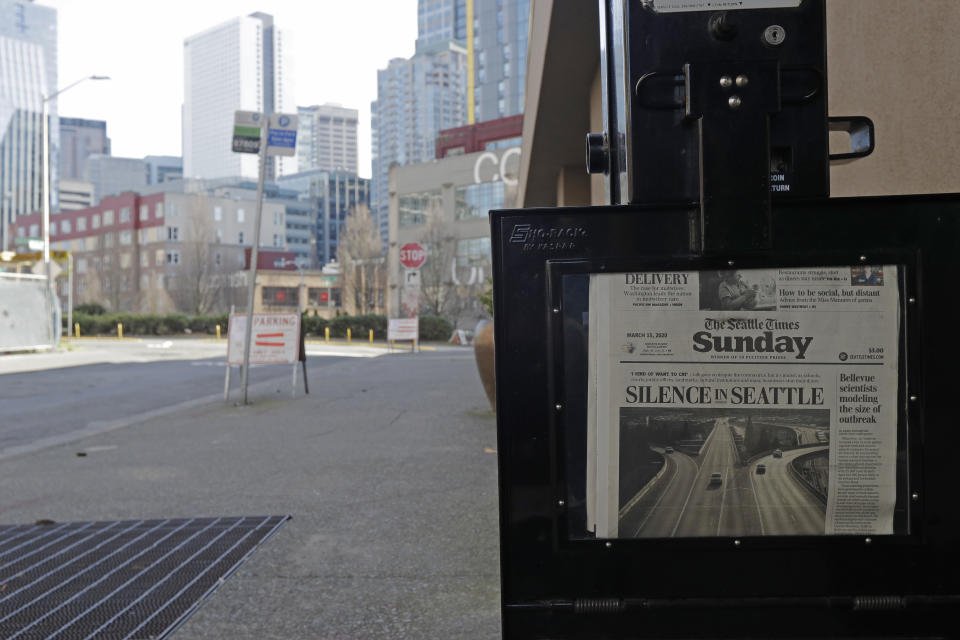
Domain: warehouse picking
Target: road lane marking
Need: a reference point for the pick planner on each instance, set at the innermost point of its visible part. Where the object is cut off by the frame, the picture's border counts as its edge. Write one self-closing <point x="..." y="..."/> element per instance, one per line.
<point x="693" y="486"/>
<point x="657" y="503"/>
<point x="723" y="497"/>
<point x="756" y="499"/>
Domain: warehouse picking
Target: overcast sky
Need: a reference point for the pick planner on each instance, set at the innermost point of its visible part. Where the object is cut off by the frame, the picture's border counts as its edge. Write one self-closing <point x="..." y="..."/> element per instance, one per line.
<point x="337" y="47"/>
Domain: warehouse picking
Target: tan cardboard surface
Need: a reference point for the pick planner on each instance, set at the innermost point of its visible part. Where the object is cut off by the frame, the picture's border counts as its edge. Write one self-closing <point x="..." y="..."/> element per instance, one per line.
<point x="898" y="63"/>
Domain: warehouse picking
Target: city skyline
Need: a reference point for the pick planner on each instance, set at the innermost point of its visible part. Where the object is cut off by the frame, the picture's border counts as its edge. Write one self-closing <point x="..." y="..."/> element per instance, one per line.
<point x="142" y="102"/>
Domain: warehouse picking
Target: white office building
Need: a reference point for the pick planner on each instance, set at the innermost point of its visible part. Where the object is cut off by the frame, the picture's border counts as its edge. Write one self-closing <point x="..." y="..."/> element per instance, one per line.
<point x="327" y="138"/>
<point x="241" y="64"/>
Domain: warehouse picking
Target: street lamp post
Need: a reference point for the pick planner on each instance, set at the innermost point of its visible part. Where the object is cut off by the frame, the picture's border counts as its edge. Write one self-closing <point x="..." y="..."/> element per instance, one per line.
<point x="45" y="143"/>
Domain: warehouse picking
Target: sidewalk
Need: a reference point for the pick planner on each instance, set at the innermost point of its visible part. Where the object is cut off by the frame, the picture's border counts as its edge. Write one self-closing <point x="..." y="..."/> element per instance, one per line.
<point x="386" y="469"/>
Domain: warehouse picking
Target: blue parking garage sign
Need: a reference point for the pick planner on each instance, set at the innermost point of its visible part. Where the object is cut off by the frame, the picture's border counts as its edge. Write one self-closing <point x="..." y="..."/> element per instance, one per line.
<point x="282" y="135"/>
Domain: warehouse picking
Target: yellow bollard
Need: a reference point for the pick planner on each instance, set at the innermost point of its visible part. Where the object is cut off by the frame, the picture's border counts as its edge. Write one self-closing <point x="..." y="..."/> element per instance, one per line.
<point x="120" y="330"/>
<point x="371" y="336"/>
<point x="348" y="336"/>
<point x="326" y="334"/>
<point x="76" y="329"/>
<point x="218" y="332"/>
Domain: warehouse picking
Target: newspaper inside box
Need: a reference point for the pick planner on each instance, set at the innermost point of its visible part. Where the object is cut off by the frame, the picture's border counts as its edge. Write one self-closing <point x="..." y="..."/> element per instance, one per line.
<point x="754" y="402"/>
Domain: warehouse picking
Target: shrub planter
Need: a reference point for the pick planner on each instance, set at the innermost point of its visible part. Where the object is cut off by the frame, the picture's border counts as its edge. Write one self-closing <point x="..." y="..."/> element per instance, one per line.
<point x="483" y="351"/>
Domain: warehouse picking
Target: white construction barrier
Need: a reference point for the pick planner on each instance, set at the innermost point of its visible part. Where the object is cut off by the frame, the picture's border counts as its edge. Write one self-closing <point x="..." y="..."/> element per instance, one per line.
<point x="27" y="313"/>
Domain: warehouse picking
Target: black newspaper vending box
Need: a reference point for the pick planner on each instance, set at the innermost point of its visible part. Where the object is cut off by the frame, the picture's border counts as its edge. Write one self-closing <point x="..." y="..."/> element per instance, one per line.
<point x="724" y="406"/>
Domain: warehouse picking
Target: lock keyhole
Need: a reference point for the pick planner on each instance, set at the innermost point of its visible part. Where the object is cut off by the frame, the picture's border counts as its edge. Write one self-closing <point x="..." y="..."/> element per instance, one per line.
<point x="774" y="35"/>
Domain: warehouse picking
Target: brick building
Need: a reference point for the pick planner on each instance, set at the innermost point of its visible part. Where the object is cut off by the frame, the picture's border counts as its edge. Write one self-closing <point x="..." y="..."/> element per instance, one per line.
<point x="160" y="252"/>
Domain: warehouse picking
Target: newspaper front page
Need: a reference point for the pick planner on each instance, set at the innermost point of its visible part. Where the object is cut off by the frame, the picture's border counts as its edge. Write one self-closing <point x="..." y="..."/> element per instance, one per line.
<point x="741" y="403"/>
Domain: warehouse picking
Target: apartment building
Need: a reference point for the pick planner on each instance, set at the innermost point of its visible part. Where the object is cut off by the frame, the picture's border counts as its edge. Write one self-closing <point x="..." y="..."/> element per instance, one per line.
<point x="159" y="252"/>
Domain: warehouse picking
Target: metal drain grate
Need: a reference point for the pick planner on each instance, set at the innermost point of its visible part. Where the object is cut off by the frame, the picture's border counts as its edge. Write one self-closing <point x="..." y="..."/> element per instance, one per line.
<point x="134" y="579"/>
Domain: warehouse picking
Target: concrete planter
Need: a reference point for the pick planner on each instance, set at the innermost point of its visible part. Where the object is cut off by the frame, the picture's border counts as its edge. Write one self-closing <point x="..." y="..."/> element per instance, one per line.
<point x="483" y="351"/>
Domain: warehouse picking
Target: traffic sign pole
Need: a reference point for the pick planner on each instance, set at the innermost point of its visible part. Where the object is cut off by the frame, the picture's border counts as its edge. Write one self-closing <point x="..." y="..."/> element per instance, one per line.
<point x="254" y="257"/>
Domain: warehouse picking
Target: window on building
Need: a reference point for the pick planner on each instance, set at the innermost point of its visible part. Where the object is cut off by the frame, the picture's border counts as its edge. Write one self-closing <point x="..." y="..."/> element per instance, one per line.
<point x="158" y="211"/>
<point x="416" y="208"/>
<point x="219" y="236"/>
<point x="53" y="229"/>
<point x="34" y="230"/>
<point x="159" y="258"/>
<point x="476" y="200"/>
<point x="144" y="259"/>
<point x="124" y="214"/>
<point x="173" y="233"/>
<point x="173" y="257"/>
<point x="239" y="237"/>
<point x="126" y="237"/>
<point x="473" y="251"/>
<point x="125" y="260"/>
<point x="108" y="239"/>
<point x="280" y="296"/>
<point x="144" y="212"/>
<point x="240" y="215"/>
<point x="65" y="226"/>
<point x="82" y="223"/>
<point x="218" y="214"/>
<point x="320" y="296"/>
<point x="277" y="240"/>
<point x="95" y="221"/>
<point x="82" y="265"/>
<point x="277" y="218"/>
<point x="217" y="259"/>
<point x="108" y="217"/>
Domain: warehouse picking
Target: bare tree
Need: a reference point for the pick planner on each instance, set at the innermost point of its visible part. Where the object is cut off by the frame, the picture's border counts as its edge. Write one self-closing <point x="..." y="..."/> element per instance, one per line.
<point x="438" y="290"/>
<point x="362" y="263"/>
<point x="202" y="278"/>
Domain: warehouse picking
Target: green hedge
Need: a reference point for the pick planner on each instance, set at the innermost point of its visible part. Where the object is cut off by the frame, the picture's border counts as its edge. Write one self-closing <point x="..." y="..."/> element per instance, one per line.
<point x="435" y="328"/>
<point x="314" y="325"/>
<point x="359" y="326"/>
<point x="432" y="328"/>
<point x="135" y="324"/>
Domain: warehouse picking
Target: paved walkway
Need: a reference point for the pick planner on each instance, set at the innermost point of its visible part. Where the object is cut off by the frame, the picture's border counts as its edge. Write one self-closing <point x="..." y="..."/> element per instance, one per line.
<point x="387" y="468"/>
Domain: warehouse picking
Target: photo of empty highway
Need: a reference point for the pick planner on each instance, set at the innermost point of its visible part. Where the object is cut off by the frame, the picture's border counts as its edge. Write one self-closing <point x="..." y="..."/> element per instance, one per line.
<point x="722" y="472"/>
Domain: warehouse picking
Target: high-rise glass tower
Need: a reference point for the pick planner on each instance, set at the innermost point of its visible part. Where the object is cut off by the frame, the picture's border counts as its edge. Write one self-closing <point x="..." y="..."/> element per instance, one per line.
<point x="238" y="65"/>
<point x="416" y="98"/>
<point x="495" y="35"/>
<point x="28" y="72"/>
<point x="80" y="139"/>
<point x="499" y="57"/>
<point x="327" y="138"/>
<point x="441" y="20"/>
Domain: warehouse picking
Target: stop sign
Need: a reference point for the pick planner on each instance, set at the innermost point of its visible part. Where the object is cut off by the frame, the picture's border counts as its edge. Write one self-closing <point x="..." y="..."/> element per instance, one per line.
<point x="412" y="255"/>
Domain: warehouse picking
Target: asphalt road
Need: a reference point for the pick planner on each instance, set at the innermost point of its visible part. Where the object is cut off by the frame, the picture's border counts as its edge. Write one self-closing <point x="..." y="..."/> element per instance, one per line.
<point x="786" y="508"/>
<point x="656" y="513"/>
<point x="54" y="403"/>
<point x="683" y="502"/>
